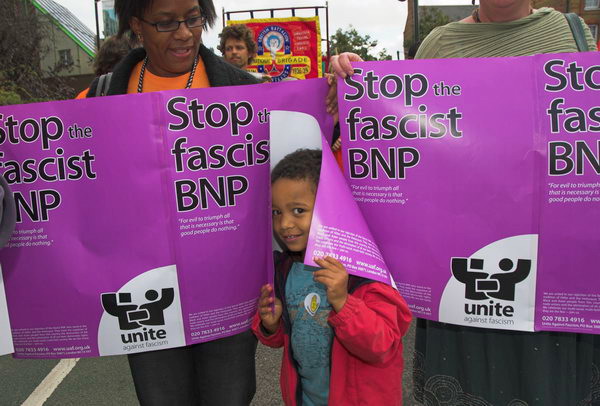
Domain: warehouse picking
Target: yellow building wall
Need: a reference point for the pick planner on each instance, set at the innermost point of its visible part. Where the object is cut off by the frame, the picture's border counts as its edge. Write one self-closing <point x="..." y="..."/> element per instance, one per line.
<point x="56" y="40"/>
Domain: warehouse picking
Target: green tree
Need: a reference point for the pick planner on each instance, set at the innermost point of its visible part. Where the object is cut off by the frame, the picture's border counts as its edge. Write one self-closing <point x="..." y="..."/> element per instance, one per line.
<point x="21" y="77"/>
<point x="429" y="18"/>
<point x="9" y="97"/>
<point x="351" y="41"/>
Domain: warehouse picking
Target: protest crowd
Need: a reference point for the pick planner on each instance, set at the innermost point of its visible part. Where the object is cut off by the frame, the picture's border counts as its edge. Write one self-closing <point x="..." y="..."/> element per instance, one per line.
<point x="341" y="334"/>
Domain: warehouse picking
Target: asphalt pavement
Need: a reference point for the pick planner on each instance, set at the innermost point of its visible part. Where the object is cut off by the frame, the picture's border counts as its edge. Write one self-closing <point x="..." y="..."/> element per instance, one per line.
<point x="106" y="381"/>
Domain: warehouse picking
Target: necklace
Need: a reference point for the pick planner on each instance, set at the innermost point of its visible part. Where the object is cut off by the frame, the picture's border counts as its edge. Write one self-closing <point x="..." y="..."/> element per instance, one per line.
<point x="475" y="14"/>
<point x="143" y="71"/>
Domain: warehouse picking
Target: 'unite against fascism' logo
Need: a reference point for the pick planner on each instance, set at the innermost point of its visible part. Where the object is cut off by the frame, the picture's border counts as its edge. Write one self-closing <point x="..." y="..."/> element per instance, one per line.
<point x="144" y="316"/>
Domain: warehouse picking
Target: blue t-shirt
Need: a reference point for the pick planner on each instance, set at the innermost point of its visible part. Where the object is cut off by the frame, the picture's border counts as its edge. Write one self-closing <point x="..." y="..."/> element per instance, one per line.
<point x="312" y="336"/>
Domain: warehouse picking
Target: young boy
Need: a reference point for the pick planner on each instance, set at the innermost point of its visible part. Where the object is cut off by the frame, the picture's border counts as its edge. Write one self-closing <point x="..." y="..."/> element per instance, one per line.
<point x="342" y="335"/>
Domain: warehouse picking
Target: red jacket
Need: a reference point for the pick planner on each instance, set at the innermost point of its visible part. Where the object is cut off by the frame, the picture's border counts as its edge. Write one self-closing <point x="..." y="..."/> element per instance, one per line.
<point x="366" y="355"/>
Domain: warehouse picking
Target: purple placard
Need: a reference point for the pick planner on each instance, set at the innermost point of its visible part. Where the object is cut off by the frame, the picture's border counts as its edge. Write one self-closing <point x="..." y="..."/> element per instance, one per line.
<point x="150" y="237"/>
<point x="450" y="172"/>
<point x="231" y="238"/>
<point x="217" y="143"/>
<point x="92" y="226"/>
<point x="338" y="228"/>
<point x="568" y="297"/>
<point x="428" y="159"/>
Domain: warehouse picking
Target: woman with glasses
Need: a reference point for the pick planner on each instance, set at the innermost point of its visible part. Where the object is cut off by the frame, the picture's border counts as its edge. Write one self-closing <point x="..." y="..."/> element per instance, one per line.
<point x="172" y="56"/>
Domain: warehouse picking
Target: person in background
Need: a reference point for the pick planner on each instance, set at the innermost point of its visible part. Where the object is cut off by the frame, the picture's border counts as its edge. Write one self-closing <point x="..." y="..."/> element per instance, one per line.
<point x="171" y="56"/>
<point x="112" y="50"/>
<point x="239" y="49"/>
<point x="484" y="367"/>
<point x="237" y="45"/>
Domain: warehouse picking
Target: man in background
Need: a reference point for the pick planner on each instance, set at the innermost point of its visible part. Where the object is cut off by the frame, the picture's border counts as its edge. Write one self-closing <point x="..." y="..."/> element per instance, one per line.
<point x="237" y="45"/>
<point x="239" y="49"/>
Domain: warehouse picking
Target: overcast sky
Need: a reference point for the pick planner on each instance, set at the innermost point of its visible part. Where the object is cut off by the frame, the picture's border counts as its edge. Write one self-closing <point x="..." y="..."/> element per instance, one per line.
<point x="383" y="20"/>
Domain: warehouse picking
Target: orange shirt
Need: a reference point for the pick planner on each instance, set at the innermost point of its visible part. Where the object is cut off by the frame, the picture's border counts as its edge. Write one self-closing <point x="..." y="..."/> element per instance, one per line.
<point x="153" y="83"/>
<point x="83" y="93"/>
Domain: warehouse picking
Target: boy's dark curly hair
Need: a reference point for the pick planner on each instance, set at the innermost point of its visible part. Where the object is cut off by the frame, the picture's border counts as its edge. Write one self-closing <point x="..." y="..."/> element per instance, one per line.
<point x="302" y="164"/>
<point x="239" y="32"/>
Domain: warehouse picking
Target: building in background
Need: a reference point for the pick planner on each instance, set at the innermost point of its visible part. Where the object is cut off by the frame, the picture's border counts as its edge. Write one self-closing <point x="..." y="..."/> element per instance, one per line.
<point x="109" y="18"/>
<point x="69" y="47"/>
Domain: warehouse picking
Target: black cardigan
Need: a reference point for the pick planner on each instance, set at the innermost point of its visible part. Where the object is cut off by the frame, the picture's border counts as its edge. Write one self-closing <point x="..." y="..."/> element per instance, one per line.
<point x="219" y="72"/>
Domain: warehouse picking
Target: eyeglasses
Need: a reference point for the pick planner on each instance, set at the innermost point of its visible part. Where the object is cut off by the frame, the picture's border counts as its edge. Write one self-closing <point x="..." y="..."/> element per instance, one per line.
<point x="168" y="26"/>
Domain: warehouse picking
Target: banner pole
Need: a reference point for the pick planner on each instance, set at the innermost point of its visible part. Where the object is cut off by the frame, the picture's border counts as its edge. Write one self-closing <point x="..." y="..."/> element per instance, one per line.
<point x="327" y="29"/>
<point x="97" y="25"/>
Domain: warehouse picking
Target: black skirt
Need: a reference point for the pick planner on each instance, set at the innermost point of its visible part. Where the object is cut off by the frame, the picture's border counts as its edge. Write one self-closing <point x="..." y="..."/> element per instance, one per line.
<point x="467" y="366"/>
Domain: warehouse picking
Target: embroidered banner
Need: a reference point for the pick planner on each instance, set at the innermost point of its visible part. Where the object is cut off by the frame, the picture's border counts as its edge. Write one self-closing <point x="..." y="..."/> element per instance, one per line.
<point x="287" y="47"/>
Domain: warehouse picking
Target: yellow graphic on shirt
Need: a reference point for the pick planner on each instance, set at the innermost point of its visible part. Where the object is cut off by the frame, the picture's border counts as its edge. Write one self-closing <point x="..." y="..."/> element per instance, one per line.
<point x="312" y="302"/>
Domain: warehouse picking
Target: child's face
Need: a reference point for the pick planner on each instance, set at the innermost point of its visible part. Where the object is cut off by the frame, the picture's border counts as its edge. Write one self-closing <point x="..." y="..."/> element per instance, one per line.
<point x="293" y="203"/>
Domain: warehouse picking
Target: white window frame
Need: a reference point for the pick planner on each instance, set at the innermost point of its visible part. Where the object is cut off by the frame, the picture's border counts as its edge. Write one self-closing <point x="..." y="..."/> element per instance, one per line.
<point x="65" y="57"/>
<point x="594" y="30"/>
<point x="591" y="5"/>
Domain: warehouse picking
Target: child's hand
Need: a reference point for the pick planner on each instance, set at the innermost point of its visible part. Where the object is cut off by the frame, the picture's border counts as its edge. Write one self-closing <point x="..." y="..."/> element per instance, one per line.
<point x="335" y="278"/>
<point x="337" y="145"/>
<point x="269" y="318"/>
